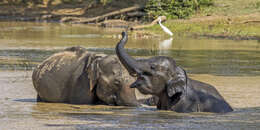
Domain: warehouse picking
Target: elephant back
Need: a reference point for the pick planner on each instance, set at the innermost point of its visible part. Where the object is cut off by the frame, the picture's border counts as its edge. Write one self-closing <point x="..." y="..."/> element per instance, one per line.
<point x="56" y="76"/>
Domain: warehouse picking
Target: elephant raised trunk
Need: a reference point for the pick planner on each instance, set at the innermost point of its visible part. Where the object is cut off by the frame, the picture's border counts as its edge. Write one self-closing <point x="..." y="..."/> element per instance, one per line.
<point x="130" y="63"/>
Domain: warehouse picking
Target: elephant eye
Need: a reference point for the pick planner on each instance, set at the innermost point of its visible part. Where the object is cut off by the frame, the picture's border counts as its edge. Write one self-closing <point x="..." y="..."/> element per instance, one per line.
<point x="147" y="73"/>
<point x="153" y="67"/>
<point x="117" y="82"/>
<point x="140" y="78"/>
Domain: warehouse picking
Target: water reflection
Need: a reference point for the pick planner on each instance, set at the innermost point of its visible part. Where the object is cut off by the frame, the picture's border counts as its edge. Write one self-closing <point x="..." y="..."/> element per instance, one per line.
<point x="81" y="36"/>
<point x="215" y="62"/>
<point x="20" y="59"/>
<point x="164" y="45"/>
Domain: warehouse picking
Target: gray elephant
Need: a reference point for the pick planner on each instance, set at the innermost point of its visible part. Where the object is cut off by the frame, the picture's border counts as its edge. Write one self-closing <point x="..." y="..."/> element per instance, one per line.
<point x="161" y="76"/>
<point x="79" y="77"/>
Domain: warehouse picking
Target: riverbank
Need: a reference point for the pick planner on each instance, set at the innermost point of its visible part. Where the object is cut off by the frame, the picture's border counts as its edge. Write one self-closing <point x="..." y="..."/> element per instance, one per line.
<point x="227" y="19"/>
<point x="242" y="27"/>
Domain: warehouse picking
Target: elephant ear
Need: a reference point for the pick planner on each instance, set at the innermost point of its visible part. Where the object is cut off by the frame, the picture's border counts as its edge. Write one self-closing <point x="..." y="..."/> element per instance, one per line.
<point x="177" y="84"/>
<point x="92" y="68"/>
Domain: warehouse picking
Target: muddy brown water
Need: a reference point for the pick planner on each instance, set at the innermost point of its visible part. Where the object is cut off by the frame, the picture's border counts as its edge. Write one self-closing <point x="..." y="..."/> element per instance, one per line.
<point x="233" y="67"/>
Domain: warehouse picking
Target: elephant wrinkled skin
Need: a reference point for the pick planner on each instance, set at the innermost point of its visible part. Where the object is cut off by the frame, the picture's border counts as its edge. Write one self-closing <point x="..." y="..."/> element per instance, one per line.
<point x="160" y="76"/>
<point x="80" y="77"/>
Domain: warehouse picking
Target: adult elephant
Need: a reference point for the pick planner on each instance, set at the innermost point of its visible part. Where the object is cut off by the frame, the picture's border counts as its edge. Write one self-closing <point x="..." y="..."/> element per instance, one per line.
<point x="80" y="77"/>
<point x="161" y="76"/>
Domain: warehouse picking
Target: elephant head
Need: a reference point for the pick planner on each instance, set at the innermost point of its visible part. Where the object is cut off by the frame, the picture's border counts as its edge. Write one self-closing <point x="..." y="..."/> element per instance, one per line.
<point x="111" y="82"/>
<point x="154" y="75"/>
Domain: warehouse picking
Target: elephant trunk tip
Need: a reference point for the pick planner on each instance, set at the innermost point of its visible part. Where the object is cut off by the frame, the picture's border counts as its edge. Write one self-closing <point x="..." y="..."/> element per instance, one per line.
<point x="123" y="34"/>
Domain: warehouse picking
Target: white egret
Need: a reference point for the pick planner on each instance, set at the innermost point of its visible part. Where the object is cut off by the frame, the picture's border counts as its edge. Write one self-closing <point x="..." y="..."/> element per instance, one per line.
<point x="165" y="29"/>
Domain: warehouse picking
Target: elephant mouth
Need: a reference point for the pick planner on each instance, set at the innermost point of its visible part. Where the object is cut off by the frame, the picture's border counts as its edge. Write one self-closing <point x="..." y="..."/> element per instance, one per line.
<point x="142" y="88"/>
<point x="111" y="100"/>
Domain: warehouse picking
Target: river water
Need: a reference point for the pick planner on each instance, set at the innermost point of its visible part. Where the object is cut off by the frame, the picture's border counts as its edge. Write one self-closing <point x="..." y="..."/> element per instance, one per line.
<point x="233" y="67"/>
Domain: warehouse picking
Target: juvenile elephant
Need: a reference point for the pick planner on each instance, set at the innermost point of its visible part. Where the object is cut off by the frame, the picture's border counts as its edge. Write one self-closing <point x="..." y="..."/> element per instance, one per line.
<point x="80" y="77"/>
<point x="161" y="76"/>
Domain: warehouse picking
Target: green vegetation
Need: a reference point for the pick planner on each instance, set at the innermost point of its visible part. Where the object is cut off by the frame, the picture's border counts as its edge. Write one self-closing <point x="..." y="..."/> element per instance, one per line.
<point x="232" y="7"/>
<point x="231" y="19"/>
<point x="217" y="29"/>
<point x="175" y="8"/>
